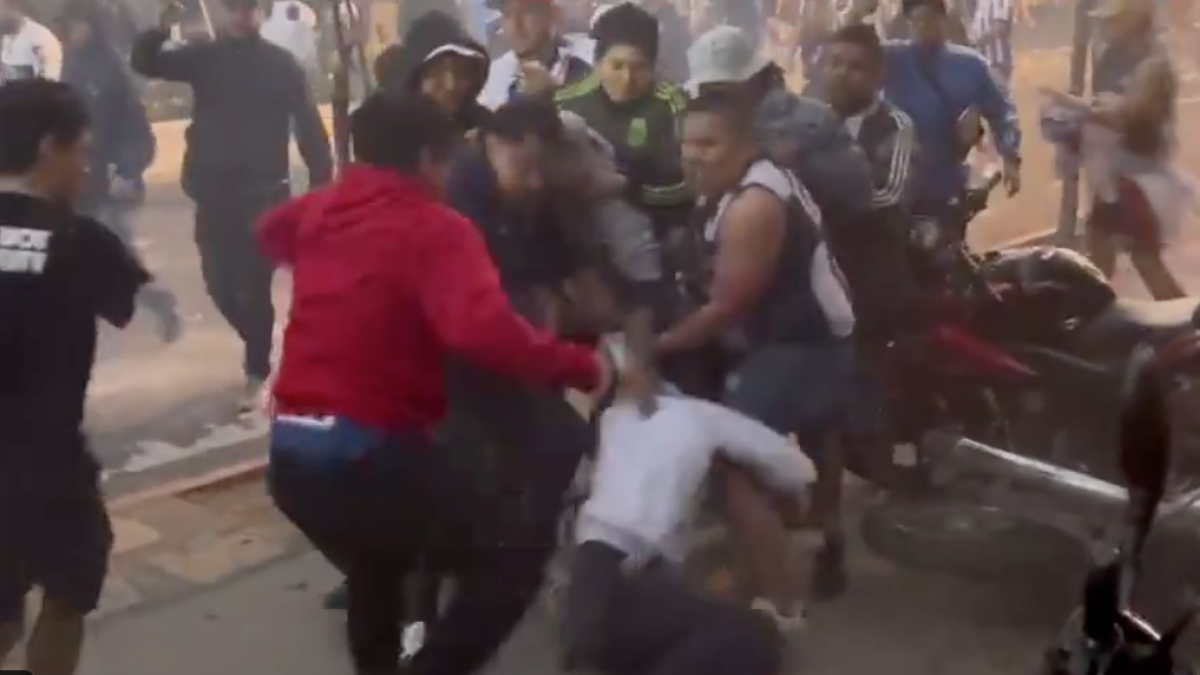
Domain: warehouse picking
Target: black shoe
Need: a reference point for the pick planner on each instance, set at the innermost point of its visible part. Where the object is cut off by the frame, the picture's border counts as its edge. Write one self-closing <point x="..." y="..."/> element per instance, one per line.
<point x="338" y="598"/>
<point x="830" y="578"/>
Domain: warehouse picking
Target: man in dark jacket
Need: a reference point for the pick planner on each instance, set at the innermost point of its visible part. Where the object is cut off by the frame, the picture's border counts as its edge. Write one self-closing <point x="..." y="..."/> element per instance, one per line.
<point x="249" y="96"/>
<point x="123" y="143"/>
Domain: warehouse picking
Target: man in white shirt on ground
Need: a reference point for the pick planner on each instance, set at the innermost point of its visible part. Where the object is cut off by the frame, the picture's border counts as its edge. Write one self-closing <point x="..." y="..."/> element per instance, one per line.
<point x="627" y="607"/>
<point x="27" y="49"/>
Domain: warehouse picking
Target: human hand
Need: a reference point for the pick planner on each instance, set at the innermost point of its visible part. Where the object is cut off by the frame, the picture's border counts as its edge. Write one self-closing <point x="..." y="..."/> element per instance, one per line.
<point x="122" y="189"/>
<point x="536" y="79"/>
<point x="1011" y="175"/>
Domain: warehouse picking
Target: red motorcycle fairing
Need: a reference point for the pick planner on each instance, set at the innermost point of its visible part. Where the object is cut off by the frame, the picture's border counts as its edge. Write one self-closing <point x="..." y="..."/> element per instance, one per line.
<point x="964" y="353"/>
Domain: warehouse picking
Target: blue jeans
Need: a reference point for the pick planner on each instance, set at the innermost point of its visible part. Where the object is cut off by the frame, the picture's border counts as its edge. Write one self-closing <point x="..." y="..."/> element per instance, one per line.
<point x="799" y="389"/>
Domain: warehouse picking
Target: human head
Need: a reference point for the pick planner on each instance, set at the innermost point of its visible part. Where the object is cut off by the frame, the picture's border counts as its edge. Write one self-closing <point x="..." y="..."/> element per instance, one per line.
<point x="515" y="139"/>
<point x="245" y="17"/>
<point x="927" y="21"/>
<point x="854" y="67"/>
<point x="77" y="24"/>
<point x="725" y="58"/>
<point x="12" y="15"/>
<point x="1123" y="21"/>
<point x="437" y="59"/>
<point x="531" y="26"/>
<point x="408" y="134"/>
<point x="44" y="137"/>
<point x="718" y="142"/>
<point x="626" y="51"/>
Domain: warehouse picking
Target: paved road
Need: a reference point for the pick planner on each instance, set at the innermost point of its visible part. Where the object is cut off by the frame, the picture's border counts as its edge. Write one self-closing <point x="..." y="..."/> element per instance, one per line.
<point x="894" y="622"/>
<point x="170" y="409"/>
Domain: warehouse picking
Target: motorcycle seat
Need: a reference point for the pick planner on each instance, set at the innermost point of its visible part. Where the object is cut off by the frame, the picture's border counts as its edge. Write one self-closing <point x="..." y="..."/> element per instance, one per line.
<point x="1127" y="322"/>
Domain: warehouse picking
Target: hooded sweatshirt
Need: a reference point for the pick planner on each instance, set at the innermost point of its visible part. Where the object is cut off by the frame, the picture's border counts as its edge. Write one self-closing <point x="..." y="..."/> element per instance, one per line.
<point x="387" y="283"/>
<point x="431" y="36"/>
<point x="123" y="141"/>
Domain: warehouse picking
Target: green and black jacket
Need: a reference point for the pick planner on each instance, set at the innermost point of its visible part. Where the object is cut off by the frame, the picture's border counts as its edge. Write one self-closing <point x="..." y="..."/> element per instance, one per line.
<point x="645" y="136"/>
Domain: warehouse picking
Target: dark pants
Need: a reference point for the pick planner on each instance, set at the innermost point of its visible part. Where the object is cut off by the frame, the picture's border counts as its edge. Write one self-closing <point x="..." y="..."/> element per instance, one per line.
<point x="57" y="538"/>
<point x="647" y="622"/>
<point x="236" y="274"/>
<point x="378" y="517"/>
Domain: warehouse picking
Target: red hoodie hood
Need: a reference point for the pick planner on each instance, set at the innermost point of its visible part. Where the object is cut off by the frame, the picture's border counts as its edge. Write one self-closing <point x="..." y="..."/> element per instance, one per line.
<point x="354" y="200"/>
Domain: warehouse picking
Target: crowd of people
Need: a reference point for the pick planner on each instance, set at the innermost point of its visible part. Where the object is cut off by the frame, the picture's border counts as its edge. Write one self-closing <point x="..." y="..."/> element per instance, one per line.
<point x="503" y="213"/>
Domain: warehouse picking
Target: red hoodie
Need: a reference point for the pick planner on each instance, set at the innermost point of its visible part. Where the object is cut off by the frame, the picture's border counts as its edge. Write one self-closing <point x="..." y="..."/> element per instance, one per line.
<point x="386" y="282"/>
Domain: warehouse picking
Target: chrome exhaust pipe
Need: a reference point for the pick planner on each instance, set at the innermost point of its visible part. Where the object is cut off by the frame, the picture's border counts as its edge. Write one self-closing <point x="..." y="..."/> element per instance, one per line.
<point x="964" y="455"/>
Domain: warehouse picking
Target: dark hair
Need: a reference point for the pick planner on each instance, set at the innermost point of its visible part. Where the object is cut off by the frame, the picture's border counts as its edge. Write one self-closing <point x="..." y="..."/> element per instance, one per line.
<point x="730" y="104"/>
<point x="525" y="117"/>
<point x="860" y="35"/>
<point x="395" y="131"/>
<point x="626" y="24"/>
<point x="32" y="111"/>
<point x="909" y="6"/>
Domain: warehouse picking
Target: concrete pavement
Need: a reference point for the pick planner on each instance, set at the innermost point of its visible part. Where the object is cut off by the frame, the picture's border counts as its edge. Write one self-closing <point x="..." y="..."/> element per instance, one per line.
<point x="270" y="620"/>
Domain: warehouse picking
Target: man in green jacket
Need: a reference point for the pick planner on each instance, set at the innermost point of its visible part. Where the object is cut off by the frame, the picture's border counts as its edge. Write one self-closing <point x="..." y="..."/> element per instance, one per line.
<point x="635" y="112"/>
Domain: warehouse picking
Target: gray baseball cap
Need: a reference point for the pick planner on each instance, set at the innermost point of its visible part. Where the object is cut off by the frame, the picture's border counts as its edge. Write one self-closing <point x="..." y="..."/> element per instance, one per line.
<point x="723" y="54"/>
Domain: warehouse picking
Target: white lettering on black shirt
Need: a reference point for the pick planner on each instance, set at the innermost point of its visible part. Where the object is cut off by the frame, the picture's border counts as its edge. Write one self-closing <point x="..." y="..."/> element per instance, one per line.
<point x="23" y="250"/>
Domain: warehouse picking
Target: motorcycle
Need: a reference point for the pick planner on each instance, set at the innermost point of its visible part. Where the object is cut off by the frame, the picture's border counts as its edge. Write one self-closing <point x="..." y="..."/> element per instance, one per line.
<point x="1104" y="636"/>
<point x="1029" y="356"/>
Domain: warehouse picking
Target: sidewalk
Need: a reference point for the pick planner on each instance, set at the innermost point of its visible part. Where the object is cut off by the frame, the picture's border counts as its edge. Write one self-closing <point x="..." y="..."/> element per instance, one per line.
<point x="270" y="622"/>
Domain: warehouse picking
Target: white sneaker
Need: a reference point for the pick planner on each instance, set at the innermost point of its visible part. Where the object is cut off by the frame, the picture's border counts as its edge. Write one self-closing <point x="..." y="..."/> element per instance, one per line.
<point x="412" y="640"/>
<point x="788" y="624"/>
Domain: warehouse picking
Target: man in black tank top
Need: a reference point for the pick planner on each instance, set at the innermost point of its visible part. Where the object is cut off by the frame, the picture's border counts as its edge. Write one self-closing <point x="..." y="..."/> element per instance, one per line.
<point x="777" y="300"/>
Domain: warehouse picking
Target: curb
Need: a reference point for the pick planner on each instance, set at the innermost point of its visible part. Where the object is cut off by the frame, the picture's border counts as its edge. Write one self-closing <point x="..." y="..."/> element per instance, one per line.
<point x="256" y="469"/>
<point x="217" y="479"/>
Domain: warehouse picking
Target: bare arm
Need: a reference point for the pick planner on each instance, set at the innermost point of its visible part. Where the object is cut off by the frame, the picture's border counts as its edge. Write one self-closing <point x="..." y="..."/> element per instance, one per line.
<point x="751" y="444"/>
<point x="751" y="236"/>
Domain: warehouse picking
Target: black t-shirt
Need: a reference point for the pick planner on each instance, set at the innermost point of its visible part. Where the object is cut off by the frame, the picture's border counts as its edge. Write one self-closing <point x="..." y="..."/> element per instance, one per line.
<point x="58" y="273"/>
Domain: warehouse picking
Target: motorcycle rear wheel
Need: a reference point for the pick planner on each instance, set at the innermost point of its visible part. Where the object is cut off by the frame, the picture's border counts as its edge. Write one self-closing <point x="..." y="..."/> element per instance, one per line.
<point x="966" y="540"/>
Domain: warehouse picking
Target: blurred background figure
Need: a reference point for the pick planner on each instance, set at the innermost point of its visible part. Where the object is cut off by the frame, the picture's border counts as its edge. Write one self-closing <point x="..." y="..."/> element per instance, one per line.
<point x="28" y="49"/>
<point x="291" y="24"/>
<point x="123" y="143"/>
<point x="542" y="58"/>
<point x="251" y="97"/>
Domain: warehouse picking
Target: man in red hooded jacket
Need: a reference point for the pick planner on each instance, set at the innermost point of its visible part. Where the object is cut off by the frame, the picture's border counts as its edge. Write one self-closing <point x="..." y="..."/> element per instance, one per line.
<point x="387" y="283"/>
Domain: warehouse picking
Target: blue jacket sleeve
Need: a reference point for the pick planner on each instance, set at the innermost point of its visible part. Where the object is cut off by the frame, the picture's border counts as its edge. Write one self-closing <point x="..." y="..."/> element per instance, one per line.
<point x="997" y="107"/>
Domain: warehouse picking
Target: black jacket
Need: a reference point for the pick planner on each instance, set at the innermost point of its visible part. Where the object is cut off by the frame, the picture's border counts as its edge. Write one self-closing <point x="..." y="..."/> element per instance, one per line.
<point x="123" y="141"/>
<point x="248" y="97"/>
<point x="432" y="34"/>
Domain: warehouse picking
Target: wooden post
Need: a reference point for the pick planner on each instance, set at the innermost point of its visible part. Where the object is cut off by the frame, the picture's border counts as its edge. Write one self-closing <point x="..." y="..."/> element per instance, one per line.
<point x="1068" y="212"/>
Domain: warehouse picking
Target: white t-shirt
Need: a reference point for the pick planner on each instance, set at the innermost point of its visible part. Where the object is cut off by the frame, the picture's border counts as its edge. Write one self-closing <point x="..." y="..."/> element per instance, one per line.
<point x="650" y="471"/>
<point x="299" y="35"/>
<point x="33" y="51"/>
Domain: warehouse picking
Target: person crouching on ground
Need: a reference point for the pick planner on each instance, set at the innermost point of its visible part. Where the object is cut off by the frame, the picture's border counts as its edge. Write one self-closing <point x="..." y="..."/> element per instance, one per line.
<point x="388" y="283"/>
<point x="627" y="607"/>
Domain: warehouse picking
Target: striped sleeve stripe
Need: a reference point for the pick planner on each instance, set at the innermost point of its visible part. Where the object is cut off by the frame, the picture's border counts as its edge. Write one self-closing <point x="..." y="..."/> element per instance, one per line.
<point x="901" y="161"/>
<point x="580" y="88"/>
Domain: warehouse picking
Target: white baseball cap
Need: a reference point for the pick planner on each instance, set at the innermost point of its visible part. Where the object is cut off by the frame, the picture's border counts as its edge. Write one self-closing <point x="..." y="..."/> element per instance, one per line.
<point x="723" y="54"/>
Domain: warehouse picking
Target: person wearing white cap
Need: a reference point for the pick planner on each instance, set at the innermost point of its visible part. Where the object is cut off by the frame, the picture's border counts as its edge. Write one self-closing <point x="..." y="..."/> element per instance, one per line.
<point x="542" y="59"/>
<point x="835" y="175"/>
